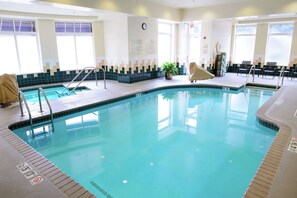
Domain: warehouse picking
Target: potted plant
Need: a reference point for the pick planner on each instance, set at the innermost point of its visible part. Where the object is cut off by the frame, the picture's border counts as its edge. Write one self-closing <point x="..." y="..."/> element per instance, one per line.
<point x="170" y="69"/>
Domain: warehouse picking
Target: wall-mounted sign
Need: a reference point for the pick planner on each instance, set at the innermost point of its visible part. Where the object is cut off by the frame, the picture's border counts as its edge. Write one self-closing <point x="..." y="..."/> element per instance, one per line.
<point x="293" y="145"/>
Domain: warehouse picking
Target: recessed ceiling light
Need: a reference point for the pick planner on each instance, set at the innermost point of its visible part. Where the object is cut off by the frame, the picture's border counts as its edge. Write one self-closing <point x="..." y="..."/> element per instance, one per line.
<point x="18" y="1"/>
<point x="283" y="15"/>
<point x="246" y="17"/>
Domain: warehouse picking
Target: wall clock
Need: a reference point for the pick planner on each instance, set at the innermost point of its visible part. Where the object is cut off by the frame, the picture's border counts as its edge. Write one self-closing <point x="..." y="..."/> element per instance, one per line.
<point x="143" y="26"/>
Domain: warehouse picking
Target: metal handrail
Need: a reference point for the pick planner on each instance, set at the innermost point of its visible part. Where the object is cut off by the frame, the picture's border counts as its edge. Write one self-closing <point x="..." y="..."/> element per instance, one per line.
<point x="281" y="75"/>
<point x="92" y="69"/>
<point x="72" y="91"/>
<point x="48" y="104"/>
<point x="22" y="97"/>
<point x="248" y="76"/>
<point x="103" y="77"/>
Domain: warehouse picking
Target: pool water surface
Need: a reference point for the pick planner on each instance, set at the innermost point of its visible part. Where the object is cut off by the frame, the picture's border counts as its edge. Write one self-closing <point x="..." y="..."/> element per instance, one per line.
<point x="51" y="93"/>
<point x="177" y="143"/>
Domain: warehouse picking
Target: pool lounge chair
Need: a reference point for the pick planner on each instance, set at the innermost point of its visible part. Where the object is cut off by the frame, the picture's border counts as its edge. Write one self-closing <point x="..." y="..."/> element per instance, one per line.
<point x="269" y="69"/>
<point x="244" y="67"/>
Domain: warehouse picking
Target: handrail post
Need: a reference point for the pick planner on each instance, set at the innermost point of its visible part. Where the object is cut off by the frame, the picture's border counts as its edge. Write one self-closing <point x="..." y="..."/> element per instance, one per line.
<point x="280" y="76"/>
<point x="39" y="99"/>
<point x="247" y="78"/>
<point x="21" y="96"/>
<point x="254" y="71"/>
<point x="48" y="104"/>
<point x="283" y="76"/>
<point x="103" y="77"/>
<point x="20" y="103"/>
<point x="96" y="77"/>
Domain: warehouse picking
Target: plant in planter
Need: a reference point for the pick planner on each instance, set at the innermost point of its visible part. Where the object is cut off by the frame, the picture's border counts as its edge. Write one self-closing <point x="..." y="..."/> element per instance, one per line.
<point x="170" y="69"/>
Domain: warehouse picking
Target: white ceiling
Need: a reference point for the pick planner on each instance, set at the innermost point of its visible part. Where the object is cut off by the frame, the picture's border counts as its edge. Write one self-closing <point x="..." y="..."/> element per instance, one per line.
<point x="193" y="3"/>
<point x="36" y="7"/>
<point x="39" y="7"/>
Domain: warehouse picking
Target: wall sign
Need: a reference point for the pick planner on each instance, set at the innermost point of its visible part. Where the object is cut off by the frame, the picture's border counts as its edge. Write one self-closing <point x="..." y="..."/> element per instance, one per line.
<point x="293" y="145"/>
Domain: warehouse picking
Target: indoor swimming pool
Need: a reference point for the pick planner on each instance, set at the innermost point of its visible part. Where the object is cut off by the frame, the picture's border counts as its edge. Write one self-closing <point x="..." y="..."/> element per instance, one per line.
<point x="177" y="143"/>
<point x="31" y="95"/>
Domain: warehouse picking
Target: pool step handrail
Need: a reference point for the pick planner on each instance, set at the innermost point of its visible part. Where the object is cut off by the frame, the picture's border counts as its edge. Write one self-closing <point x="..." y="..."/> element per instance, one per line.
<point x="248" y="76"/>
<point x="281" y="76"/>
<point x="93" y="69"/>
<point x="48" y="104"/>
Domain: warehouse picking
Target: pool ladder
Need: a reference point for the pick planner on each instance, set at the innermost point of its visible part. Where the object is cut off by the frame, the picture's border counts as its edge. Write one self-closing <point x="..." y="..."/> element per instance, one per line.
<point x="21" y="97"/>
<point x="92" y="70"/>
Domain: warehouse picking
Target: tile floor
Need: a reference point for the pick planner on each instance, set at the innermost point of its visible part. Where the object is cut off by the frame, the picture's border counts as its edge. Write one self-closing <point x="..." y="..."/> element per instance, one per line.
<point x="276" y="176"/>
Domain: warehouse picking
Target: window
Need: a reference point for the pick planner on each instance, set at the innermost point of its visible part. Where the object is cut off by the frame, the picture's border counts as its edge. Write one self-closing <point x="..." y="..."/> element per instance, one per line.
<point x="19" y="52"/>
<point x="279" y="43"/>
<point x="164" y="42"/>
<point x="75" y="45"/>
<point x="244" y="44"/>
<point x="194" y="42"/>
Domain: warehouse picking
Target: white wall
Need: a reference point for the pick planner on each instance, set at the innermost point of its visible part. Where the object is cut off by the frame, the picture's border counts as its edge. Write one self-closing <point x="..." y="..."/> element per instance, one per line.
<point x="143" y="48"/>
<point x="182" y="44"/>
<point x="260" y="43"/>
<point x="239" y="9"/>
<point x="48" y="42"/>
<point x="221" y="34"/>
<point x="293" y="57"/>
<point x="116" y="40"/>
<point x="99" y="42"/>
<point x="206" y="51"/>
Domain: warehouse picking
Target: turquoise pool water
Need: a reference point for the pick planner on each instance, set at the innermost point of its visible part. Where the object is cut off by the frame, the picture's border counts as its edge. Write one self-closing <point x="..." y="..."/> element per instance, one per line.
<point x="51" y="93"/>
<point x="177" y="143"/>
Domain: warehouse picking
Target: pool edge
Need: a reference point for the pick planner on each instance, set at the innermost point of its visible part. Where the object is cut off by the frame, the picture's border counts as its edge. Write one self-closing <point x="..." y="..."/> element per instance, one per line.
<point x="263" y="183"/>
<point x="254" y="188"/>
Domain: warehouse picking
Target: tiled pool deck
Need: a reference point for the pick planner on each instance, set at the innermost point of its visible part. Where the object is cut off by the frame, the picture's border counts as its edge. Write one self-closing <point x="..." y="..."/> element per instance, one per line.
<point x="276" y="177"/>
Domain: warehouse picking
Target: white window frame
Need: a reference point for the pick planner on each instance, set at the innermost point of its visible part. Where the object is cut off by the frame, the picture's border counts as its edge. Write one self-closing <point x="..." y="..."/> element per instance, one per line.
<point x="278" y="34"/>
<point x="16" y="33"/>
<point x="75" y="35"/>
<point x="239" y="35"/>
<point x="171" y="35"/>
